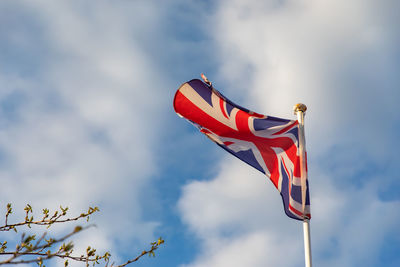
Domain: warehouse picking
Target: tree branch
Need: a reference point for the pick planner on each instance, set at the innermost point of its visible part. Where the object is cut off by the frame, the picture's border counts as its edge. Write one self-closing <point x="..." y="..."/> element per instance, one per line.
<point x="43" y="248"/>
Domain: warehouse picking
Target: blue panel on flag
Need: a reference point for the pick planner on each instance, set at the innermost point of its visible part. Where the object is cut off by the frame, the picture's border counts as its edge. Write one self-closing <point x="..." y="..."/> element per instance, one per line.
<point x="246" y="156"/>
<point x="202" y="90"/>
<point x="285" y="191"/>
<point x="229" y="108"/>
<point x="262" y="124"/>
<point x="295" y="132"/>
<point x="296" y="193"/>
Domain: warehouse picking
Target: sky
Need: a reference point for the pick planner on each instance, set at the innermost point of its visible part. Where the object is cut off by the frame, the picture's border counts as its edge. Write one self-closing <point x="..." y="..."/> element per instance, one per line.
<point x="86" y="119"/>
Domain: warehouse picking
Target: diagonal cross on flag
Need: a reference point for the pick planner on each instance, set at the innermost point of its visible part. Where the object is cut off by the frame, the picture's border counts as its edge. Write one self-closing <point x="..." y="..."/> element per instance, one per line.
<point x="269" y="144"/>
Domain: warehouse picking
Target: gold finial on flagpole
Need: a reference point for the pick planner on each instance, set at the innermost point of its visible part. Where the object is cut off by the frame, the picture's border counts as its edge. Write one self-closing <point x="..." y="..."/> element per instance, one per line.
<point x="299" y="107"/>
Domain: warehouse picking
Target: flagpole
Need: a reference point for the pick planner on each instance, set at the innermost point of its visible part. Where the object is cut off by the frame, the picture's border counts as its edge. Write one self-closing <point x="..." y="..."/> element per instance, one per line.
<point x="307" y="243"/>
<point x="300" y="110"/>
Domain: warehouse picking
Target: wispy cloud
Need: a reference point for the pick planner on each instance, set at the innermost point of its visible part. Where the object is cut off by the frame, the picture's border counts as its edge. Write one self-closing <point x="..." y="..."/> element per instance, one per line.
<point x="81" y="132"/>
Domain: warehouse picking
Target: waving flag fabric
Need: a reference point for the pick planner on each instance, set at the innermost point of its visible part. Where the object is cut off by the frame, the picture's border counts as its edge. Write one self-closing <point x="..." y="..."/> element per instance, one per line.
<point x="267" y="143"/>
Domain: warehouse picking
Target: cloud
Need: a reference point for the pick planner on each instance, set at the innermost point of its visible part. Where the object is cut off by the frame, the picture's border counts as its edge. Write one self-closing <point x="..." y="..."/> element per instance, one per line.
<point x="80" y="131"/>
<point x="239" y="220"/>
<point x="239" y="210"/>
<point x="85" y="120"/>
<point x="86" y="107"/>
<point x="339" y="59"/>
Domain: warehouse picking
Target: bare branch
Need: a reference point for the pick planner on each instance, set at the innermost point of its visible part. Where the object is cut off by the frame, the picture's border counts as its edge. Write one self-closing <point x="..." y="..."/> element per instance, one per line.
<point x="56" y="218"/>
<point x="150" y="252"/>
<point x="30" y="250"/>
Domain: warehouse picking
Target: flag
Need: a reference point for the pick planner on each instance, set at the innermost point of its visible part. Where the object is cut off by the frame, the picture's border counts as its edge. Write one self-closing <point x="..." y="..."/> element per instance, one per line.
<point x="269" y="144"/>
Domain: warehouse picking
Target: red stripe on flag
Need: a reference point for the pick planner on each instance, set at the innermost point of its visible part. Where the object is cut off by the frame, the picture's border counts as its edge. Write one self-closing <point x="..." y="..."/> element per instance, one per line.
<point x="299" y="213"/>
<point x="221" y="105"/>
<point x="286" y="128"/>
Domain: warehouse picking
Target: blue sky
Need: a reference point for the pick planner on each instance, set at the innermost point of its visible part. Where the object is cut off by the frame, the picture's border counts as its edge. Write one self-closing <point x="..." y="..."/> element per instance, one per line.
<point x="86" y="118"/>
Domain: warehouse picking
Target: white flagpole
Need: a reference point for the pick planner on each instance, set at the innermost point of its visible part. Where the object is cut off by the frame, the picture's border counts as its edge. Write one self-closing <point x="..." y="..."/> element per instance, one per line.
<point x="307" y="242"/>
<point x="300" y="110"/>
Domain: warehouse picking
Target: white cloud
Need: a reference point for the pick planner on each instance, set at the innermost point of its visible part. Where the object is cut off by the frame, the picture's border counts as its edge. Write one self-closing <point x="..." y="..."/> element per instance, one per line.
<point x="84" y="129"/>
<point x="338" y="58"/>
<point x="239" y="220"/>
<point x="247" y="250"/>
<point x="238" y="217"/>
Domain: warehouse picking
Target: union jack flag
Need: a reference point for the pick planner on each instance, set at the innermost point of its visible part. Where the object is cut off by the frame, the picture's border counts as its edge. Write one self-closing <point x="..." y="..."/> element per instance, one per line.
<point x="269" y="144"/>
